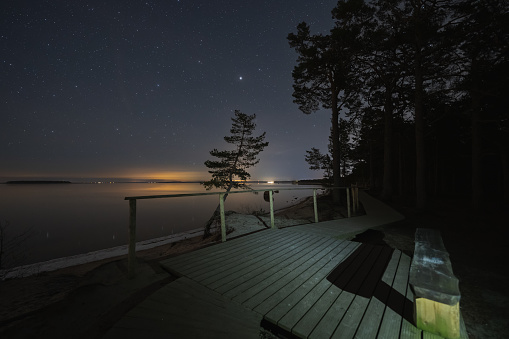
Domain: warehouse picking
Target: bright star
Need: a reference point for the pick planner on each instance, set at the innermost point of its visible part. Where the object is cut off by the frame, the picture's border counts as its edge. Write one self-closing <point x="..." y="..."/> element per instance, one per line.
<point x="240" y="78"/>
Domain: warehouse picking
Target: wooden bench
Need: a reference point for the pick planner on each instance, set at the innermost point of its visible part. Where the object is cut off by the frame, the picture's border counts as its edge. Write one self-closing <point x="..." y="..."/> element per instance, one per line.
<point x="436" y="291"/>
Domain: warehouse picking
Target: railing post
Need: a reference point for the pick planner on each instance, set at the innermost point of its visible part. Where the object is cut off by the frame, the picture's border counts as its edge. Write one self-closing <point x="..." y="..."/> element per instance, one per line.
<point x="315" y="206"/>
<point x="271" y="210"/>
<point x="348" y="201"/>
<point x="223" y="222"/>
<point x="131" y="256"/>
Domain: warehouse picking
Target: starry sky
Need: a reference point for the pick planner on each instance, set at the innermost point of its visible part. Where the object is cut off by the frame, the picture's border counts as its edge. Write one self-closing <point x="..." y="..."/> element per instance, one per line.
<point x="145" y="89"/>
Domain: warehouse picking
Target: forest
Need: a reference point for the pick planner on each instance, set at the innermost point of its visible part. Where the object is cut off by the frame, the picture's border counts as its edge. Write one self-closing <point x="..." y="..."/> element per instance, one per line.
<point x="418" y="93"/>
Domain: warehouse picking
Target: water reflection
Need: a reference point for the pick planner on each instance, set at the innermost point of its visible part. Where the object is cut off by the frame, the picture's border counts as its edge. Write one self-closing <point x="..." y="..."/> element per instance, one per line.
<point x="71" y="219"/>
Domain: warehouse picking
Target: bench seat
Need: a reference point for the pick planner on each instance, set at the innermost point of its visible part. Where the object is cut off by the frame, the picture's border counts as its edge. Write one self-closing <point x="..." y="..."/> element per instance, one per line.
<point x="435" y="287"/>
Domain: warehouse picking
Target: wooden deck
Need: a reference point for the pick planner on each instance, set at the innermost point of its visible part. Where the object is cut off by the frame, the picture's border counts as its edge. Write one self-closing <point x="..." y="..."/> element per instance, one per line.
<point x="282" y="275"/>
<point x="303" y="280"/>
<point x="186" y="309"/>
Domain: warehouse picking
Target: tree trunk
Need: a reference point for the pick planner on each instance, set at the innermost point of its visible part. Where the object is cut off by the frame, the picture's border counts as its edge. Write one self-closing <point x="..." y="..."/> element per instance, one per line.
<point x="336" y="156"/>
<point x="215" y="215"/>
<point x="371" y="165"/>
<point x="401" y="181"/>
<point x="476" y="151"/>
<point x="420" y="169"/>
<point x="387" y="179"/>
<point x="505" y="173"/>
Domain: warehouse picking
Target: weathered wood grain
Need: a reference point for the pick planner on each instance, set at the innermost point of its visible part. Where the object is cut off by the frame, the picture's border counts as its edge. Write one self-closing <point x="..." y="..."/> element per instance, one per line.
<point x="368" y="327"/>
<point x="285" y="276"/>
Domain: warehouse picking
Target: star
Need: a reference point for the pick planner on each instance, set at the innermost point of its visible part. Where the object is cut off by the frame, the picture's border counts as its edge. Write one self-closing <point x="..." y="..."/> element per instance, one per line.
<point x="240" y="78"/>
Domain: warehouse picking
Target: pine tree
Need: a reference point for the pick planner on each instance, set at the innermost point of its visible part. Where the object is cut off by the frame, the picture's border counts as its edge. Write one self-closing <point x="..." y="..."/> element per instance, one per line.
<point x="318" y="161"/>
<point x="323" y="77"/>
<point x="230" y="169"/>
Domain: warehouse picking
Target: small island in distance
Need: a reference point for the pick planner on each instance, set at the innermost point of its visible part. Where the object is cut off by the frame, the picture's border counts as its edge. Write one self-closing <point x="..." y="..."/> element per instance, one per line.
<point x="38" y="182"/>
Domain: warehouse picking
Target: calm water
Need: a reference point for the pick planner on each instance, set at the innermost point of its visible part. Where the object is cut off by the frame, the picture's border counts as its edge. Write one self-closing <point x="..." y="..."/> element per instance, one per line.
<point x="67" y="219"/>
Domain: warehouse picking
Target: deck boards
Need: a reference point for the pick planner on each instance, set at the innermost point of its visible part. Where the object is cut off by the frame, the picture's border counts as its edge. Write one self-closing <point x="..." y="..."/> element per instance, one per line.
<point x="186" y="309"/>
<point x="303" y="279"/>
<point x="285" y="276"/>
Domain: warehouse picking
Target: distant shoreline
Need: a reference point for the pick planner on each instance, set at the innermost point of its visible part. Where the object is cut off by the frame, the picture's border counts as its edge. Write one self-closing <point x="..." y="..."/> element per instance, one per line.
<point x="111" y="181"/>
<point x="17" y="182"/>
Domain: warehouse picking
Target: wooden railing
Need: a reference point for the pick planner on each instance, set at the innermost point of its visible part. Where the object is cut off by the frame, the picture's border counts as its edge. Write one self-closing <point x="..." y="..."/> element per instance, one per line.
<point x="351" y="194"/>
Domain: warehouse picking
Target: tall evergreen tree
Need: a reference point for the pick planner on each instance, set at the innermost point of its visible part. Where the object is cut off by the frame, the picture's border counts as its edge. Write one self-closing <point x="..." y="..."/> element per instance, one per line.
<point x="230" y="169"/>
<point x="425" y="41"/>
<point x="378" y="64"/>
<point x="483" y="49"/>
<point x="324" y="75"/>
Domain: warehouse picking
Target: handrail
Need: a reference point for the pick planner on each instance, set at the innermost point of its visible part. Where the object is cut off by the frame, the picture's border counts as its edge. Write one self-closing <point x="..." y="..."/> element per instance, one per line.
<point x="131" y="257"/>
<point x="231" y="192"/>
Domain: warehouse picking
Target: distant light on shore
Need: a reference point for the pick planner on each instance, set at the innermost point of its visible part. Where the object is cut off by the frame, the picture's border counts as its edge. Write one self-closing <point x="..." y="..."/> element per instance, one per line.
<point x="270" y="182"/>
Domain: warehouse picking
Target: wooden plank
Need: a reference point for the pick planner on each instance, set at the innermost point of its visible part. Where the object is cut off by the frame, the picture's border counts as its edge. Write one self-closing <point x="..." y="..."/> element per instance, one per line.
<point x="317" y="302"/>
<point x="437" y="317"/>
<point x="320" y="303"/>
<point x="344" y="271"/>
<point x="186" y="309"/>
<point x="289" y="295"/>
<point x="408" y="330"/>
<point x="276" y="253"/>
<point x="430" y="238"/>
<point x="374" y="274"/>
<point x="350" y="322"/>
<point x="212" y="249"/>
<point x="370" y="323"/>
<point x="199" y="301"/>
<point x="283" y="287"/>
<point x="375" y="263"/>
<point x="203" y="261"/>
<point x="324" y="230"/>
<point x="288" y="312"/>
<point x="219" y="248"/>
<point x="212" y="270"/>
<point x="256" y="277"/>
<point x="258" y="294"/>
<point x="391" y="322"/>
<point x="432" y="277"/>
<point x="327" y="325"/>
<point x="363" y="270"/>
<point x="218" y="252"/>
<point x="246" y="280"/>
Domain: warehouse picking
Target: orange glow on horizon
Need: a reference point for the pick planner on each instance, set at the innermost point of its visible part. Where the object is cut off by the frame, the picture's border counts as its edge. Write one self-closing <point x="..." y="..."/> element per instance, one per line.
<point x="163" y="175"/>
<point x="133" y="174"/>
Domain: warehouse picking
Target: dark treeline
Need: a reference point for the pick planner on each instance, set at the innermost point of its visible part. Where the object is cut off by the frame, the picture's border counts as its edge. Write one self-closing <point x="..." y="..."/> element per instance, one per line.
<point x="423" y="86"/>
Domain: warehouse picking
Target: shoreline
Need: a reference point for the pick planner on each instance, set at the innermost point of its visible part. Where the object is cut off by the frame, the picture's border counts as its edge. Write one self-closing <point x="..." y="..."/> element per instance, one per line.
<point x="114" y="253"/>
<point x="237" y="225"/>
<point x="90" y="257"/>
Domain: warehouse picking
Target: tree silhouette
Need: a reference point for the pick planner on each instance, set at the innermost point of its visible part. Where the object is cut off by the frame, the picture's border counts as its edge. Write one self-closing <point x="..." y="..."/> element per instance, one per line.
<point x="321" y="78"/>
<point x="230" y="169"/>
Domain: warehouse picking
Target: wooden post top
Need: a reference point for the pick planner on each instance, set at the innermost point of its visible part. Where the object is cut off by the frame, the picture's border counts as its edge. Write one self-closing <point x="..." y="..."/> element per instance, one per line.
<point x="431" y="274"/>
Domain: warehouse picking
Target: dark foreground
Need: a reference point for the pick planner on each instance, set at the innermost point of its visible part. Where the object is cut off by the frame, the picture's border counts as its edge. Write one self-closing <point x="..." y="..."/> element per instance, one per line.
<point x="86" y="301"/>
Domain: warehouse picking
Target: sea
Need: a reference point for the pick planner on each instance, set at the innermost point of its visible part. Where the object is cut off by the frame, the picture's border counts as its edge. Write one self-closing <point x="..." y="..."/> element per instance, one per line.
<point x="41" y="222"/>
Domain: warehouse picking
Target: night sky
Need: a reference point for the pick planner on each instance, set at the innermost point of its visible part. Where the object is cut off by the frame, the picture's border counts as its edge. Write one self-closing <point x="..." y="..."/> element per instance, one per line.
<point x="145" y="89"/>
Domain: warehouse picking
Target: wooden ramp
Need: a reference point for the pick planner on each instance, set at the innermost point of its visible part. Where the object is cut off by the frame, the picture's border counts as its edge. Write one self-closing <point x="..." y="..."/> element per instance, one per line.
<point x="291" y="278"/>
